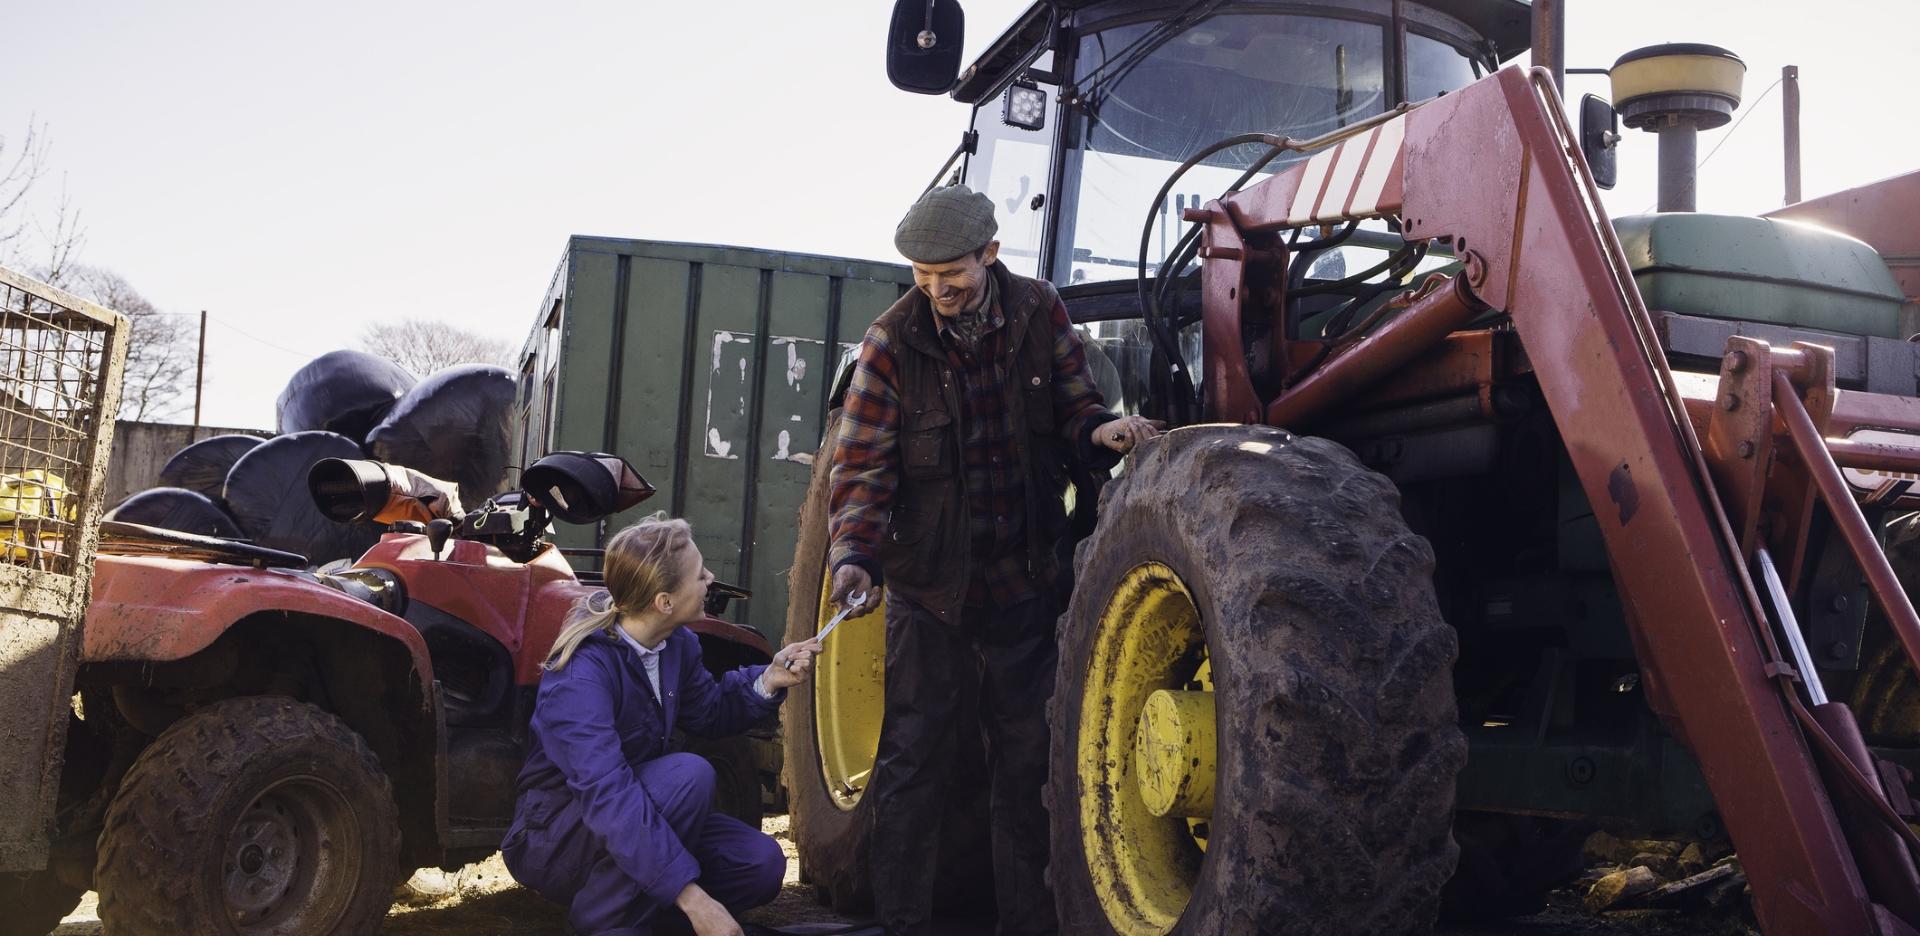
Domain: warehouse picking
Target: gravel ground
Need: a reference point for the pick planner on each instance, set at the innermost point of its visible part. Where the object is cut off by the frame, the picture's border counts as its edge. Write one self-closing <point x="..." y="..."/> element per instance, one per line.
<point x="483" y="900"/>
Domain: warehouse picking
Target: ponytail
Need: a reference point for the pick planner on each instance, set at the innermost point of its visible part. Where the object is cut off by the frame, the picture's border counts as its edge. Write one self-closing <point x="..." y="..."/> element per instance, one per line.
<point x="591" y="612"/>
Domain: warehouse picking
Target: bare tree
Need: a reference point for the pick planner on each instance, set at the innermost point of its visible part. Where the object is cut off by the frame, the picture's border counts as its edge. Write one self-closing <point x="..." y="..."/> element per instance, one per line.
<point x="160" y="346"/>
<point x="424" y="346"/>
<point x="23" y="165"/>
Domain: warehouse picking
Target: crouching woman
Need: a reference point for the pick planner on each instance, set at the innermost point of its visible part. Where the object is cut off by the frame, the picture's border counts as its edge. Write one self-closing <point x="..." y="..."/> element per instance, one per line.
<point x="607" y="821"/>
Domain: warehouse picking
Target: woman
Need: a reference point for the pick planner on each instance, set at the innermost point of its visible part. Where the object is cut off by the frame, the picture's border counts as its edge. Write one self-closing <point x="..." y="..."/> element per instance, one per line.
<point x="607" y="821"/>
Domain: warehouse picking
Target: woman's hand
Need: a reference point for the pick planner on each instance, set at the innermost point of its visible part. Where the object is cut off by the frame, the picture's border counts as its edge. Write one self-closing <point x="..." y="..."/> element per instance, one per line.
<point x="708" y="916"/>
<point x="792" y="666"/>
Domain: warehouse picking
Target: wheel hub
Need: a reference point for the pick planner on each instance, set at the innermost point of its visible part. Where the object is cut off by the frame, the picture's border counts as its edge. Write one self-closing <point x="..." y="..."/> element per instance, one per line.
<point x="265" y="859"/>
<point x="1173" y="754"/>
<point x="1146" y="752"/>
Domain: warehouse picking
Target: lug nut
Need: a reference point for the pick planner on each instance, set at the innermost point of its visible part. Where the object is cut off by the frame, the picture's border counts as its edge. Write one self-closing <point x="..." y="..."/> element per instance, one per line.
<point x="1731" y="403"/>
<point x="1736" y="361"/>
<point x="1746" y="449"/>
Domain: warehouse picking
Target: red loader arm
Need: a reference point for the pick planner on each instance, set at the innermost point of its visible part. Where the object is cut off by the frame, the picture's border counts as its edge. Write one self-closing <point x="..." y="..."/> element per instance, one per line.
<point x="1495" y="170"/>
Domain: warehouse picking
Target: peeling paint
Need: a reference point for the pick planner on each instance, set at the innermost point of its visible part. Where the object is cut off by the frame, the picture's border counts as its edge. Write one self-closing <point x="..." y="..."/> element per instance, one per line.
<point x="786" y="442"/>
<point x="717" y="446"/>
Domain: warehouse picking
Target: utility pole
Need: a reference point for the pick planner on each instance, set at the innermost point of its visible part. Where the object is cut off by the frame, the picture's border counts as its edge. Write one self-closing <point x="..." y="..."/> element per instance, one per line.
<point x="1790" y="103"/>
<point x="199" y="375"/>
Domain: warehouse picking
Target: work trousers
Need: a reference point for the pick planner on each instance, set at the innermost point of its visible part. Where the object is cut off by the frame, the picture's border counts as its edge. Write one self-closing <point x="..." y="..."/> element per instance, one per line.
<point x="566" y="862"/>
<point x="930" y="663"/>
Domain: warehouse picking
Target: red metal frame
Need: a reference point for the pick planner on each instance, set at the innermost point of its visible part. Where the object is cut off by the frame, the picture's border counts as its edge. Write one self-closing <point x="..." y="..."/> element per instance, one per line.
<point x="1495" y="171"/>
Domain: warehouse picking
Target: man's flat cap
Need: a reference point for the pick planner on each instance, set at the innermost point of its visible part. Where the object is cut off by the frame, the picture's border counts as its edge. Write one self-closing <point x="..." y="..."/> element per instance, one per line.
<point x="946" y="224"/>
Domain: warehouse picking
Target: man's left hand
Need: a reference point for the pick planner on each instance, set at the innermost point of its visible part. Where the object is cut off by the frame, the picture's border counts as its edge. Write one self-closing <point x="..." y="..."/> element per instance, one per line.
<point x="792" y="666"/>
<point x="1123" y="435"/>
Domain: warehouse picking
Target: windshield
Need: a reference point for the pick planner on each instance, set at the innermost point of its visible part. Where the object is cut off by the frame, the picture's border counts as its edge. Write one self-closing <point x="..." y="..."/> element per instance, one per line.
<point x="1149" y="107"/>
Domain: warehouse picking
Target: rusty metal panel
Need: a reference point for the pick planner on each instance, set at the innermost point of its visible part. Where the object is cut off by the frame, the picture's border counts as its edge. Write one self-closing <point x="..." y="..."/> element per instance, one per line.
<point x="61" y="359"/>
<point x="709" y="368"/>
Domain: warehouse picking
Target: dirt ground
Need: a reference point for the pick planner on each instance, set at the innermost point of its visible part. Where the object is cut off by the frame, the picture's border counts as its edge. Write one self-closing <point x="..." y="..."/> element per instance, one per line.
<point x="483" y="900"/>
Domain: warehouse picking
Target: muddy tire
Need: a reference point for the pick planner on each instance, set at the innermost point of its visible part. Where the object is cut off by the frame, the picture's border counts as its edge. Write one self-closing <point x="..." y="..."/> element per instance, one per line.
<point x="35" y="903"/>
<point x="1331" y="684"/>
<point x="832" y="839"/>
<point x="254" y="815"/>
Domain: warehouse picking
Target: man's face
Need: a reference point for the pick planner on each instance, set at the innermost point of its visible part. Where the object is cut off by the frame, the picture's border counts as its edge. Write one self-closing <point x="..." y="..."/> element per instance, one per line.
<point x="955" y="286"/>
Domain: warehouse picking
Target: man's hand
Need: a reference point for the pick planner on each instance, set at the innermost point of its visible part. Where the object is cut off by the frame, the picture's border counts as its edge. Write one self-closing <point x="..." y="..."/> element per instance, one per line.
<point x="850" y="580"/>
<point x="792" y="665"/>
<point x="1124" y="434"/>
<point x="708" y="916"/>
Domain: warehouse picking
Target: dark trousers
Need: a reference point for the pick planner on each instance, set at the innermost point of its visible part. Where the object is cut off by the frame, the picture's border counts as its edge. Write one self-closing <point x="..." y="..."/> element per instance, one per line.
<point x="1011" y="653"/>
<point x="567" y="862"/>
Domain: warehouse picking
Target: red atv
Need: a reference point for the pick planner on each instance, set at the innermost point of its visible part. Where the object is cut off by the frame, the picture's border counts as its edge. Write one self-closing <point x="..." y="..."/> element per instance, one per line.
<point x="261" y="748"/>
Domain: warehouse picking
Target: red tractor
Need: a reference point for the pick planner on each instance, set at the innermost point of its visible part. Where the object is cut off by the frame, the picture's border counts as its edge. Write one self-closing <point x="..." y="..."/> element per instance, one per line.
<point x="1484" y="519"/>
<point x="257" y="747"/>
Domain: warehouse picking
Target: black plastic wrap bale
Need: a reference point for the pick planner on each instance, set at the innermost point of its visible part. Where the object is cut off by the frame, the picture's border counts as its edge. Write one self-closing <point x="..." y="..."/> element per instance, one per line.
<point x="174" y="508"/>
<point x="267" y="493"/>
<point x="203" y="466"/>
<point x="453" y="426"/>
<point x="347" y="392"/>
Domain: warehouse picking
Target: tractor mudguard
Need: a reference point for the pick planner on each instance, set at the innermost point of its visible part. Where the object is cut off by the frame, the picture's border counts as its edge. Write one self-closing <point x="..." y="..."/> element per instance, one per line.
<point x="713" y="628"/>
<point x="150" y="609"/>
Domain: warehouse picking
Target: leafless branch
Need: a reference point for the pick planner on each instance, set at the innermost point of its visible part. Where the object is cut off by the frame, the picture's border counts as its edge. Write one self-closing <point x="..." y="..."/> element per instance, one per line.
<point x="161" y="349"/>
<point x="424" y="346"/>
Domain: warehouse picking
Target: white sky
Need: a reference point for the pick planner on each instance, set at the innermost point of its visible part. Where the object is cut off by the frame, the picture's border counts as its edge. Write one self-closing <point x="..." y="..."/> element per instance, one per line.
<point x="301" y="171"/>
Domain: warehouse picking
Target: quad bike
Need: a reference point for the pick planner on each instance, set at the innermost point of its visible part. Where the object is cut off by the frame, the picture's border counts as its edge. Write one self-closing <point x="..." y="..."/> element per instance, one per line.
<point x="257" y="747"/>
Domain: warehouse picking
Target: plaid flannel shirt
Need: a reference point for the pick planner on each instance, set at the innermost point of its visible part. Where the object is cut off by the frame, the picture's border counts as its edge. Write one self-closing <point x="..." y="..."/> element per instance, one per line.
<point x="866" y="472"/>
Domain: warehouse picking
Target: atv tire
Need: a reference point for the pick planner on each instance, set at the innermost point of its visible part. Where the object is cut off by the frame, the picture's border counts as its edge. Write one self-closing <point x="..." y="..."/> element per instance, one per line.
<point x="1331" y="678"/>
<point x="35" y="903"/>
<point x="833" y="841"/>
<point x="254" y="815"/>
<point x="736" y="775"/>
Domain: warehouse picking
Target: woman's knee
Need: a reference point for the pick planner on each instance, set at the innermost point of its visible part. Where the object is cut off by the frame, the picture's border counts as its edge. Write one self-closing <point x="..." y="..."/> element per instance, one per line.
<point x="769" y="871"/>
<point x="680" y="780"/>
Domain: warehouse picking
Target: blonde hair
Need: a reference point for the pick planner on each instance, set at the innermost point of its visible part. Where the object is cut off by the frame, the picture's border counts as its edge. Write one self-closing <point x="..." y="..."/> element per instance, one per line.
<point x="641" y="562"/>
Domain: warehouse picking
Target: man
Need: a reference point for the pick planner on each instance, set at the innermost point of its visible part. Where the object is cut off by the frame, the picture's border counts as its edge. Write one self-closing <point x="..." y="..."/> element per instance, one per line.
<point x="969" y="396"/>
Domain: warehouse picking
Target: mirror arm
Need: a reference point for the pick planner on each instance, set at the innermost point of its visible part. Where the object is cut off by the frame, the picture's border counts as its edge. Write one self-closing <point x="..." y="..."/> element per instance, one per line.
<point x="969" y="144"/>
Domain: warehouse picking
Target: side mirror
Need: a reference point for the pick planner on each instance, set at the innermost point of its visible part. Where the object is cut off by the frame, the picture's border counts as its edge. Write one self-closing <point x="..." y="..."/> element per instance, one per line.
<point x="923" y="45"/>
<point x="1599" y="134"/>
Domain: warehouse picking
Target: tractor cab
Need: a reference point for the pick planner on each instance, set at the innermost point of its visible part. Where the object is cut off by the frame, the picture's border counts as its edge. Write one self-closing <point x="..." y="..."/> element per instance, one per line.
<point x="1082" y="110"/>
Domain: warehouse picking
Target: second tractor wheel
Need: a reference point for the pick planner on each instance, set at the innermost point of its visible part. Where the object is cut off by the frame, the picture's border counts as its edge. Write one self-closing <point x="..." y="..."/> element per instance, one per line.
<point x="831" y="733"/>
<point x="254" y="816"/>
<point x="1253" y="721"/>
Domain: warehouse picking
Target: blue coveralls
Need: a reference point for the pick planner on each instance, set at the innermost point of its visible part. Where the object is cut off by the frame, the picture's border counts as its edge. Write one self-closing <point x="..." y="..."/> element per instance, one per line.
<point x="607" y="821"/>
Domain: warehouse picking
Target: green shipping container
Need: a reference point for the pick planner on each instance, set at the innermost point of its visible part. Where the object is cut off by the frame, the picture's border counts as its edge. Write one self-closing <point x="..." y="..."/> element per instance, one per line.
<point x="708" y="368"/>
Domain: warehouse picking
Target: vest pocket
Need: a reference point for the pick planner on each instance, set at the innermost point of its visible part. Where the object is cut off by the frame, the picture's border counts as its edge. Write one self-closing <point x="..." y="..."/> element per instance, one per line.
<point x="906" y="526"/>
<point x="1040" y="408"/>
<point x="923" y="445"/>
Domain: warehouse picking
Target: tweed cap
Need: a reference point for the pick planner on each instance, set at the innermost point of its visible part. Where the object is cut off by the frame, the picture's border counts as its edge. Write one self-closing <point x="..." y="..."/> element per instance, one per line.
<point x="945" y="224"/>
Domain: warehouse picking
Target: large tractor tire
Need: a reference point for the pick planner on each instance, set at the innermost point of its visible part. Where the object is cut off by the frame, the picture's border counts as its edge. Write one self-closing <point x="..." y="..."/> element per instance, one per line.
<point x="831" y="732"/>
<point x="35" y="903"/>
<point x="1886" y="696"/>
<point x="256" y="815"/>
<point x="1253" y="722"/>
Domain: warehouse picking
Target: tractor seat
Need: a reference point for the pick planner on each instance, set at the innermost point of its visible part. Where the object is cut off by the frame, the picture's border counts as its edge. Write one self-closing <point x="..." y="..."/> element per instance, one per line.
<point x="1761" y="270"/>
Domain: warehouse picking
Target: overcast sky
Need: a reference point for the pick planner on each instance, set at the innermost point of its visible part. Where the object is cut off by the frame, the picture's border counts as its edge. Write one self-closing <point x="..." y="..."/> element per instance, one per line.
<point x="302" y="170"/>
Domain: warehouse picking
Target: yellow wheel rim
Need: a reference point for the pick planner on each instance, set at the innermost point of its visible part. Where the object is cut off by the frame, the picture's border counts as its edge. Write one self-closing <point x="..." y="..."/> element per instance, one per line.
<point x="849" y="692"/>
<point x="1149" y="661"/>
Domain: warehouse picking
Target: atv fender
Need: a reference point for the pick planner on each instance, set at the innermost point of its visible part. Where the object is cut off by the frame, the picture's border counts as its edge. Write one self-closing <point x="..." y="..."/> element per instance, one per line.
<point x="153" y="610"/>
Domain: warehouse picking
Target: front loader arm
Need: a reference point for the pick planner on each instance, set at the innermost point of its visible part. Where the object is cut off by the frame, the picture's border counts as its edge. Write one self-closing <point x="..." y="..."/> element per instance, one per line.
<point x="1495" y="171"/>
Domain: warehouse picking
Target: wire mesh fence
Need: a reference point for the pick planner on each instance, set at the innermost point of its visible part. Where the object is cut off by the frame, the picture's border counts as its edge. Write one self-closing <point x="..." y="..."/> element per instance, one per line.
<point x="59" y="366"/>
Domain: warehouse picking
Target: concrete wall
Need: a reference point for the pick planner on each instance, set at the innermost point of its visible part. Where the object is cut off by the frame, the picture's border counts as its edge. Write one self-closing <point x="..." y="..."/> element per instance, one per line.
<point x="141" y="449"/>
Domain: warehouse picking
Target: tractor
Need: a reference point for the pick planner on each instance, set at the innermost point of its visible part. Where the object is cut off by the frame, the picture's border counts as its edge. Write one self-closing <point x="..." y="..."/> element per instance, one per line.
<point x="255" y="746"/>
<point x="1485" y="520"/>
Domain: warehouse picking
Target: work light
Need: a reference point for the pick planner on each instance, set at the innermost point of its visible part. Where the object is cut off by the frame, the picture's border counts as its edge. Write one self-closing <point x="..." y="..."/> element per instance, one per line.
<point x="1025" y="106"/>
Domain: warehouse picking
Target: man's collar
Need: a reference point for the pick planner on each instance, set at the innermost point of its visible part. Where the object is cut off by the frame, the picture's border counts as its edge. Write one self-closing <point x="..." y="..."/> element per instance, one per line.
<point x="989" y="309"/>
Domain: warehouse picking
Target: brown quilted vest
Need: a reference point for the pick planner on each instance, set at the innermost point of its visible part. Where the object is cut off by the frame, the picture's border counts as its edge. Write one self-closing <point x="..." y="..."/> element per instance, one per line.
<point x="925" y="553"/>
